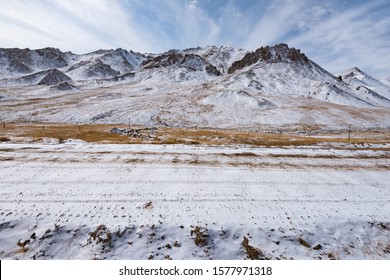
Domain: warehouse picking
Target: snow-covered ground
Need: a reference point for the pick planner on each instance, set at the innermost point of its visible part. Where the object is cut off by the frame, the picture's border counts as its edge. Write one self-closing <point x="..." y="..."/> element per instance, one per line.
<point x="84" y="201"/>
<point x="183" y="105"/>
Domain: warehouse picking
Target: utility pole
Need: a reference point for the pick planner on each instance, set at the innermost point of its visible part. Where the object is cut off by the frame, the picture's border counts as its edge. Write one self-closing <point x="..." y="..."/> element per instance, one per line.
<point x="349" y="132"/>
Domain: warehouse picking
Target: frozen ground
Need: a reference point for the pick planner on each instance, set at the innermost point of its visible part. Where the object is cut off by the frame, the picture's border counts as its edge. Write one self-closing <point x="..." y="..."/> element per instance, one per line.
<point x="94" y="201"/>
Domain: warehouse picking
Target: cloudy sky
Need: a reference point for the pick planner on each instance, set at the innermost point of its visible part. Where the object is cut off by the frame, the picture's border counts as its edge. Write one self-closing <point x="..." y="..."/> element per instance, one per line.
<point x="337" y="34"/>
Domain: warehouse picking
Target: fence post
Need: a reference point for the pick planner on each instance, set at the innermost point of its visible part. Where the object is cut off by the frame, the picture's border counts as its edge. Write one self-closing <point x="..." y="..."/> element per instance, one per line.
<point x="349" y="132"/>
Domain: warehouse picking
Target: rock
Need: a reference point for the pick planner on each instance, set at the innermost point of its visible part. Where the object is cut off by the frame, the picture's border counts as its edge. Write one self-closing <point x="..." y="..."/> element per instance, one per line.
<point x="317" y="247"/>
<point x="303" y="242"/>
<point x="331" y="256"/>
<point x="276" y="54"/>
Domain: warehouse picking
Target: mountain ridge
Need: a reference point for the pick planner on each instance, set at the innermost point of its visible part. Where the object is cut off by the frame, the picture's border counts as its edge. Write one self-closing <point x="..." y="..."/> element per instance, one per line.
<point x="210" y="87"/>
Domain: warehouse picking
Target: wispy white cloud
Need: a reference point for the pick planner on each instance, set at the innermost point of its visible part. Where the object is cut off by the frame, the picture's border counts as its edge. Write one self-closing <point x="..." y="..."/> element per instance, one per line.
<point x="193" y="5"/>
<point x="279" y="18"/>
<point x="68" y="24"/>
<point x="357" y="36"/>
<point x="175" y="24"/>
<point x="337" y="37"/>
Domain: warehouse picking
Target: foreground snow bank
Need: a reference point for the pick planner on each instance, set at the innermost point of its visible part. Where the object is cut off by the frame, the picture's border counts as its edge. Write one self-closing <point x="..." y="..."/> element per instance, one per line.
<point x="86" y="201"/>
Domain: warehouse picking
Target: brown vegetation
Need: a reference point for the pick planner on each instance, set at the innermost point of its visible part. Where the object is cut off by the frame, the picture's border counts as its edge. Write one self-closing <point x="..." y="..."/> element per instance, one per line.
<point x="100" y="133"/>
<point x="101" y="234"/>
<point x="252" y="252"/>
<point x="201" y="237"/>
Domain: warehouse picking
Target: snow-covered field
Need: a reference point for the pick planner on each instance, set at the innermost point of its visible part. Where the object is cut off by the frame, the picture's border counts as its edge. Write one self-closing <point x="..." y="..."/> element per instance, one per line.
<point x="95" y="201"/>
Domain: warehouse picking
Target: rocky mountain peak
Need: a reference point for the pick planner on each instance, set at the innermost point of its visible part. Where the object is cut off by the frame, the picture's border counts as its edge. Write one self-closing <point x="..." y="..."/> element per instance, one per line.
<point x="276" y="54"/>
<point x="190" y="61"/>
<point x="164" y="60"/>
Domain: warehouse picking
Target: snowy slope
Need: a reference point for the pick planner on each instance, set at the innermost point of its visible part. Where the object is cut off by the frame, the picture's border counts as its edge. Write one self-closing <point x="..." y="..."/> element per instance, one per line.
<point x="360" y="81"/>
<point x="281" y="70"/>
<point x="122" y="60"/>
<point x="221" y="57"/>
<point x="14" y="62"/>
<point x="104" y="64"/>
<point x="101" y="64"/>
<point x="91" y="69"/>
<point x="47" y="77"/>
<point x="177" y="67"/>
<point x="385" y="80"/>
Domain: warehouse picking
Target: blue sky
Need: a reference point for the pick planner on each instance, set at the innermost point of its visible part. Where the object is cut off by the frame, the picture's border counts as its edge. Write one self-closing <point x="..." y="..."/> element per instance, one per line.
<point x="337" y="34"/>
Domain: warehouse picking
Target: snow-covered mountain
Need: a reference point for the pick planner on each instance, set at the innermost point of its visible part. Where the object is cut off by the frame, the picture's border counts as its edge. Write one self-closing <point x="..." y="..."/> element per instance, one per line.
<point x="281" y="70"/>
<point x="16" y="62"/>
<point x="364" y="83"/>
<point x="176" y="66"/>
<point x="221" y="57"/>
<point x="101" y="64"/>
<point x="210" y="87"/>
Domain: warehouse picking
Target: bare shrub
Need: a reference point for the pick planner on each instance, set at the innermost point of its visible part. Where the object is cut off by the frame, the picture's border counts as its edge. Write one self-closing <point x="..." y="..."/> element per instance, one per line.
<point x="201" y="236"/>
<point x="252" y="252"/>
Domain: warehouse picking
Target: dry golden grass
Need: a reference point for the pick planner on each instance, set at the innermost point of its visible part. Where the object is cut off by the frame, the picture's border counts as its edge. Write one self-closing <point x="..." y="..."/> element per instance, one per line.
<point x="100" y="133"/>
<point x="62" y="132"/>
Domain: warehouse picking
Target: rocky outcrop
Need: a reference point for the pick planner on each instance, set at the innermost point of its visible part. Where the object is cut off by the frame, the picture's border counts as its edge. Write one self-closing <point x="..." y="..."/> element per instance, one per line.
<point x="164" y="60"/>
<point x="54" y="77"/>
<point x="192" y="62"/>
<point x="276" y="54"/>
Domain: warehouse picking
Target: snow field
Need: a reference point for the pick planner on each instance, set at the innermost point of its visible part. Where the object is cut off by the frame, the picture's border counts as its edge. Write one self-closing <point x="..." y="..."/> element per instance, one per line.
<point x="87" y="201"/>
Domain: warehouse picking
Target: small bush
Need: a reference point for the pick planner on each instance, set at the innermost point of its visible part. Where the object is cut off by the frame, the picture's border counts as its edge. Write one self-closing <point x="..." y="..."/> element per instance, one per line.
<point x="201" y="237"/>
<point x="101" y="234"/>
<point x="252" y="252"/>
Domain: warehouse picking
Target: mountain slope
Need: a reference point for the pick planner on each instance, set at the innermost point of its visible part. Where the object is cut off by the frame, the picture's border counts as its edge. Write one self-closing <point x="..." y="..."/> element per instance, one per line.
<point x="47" y="77"/>
<point x="122" y="60"/>
<point x="14" y="62"/>
<point x="102" y="64"/>
<point x="362" y="82"/>
<point x="280" y="70"/>
<point x="220" y="57"/>
<point x="91" y="69"/>
<point x="178" y="67"/>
